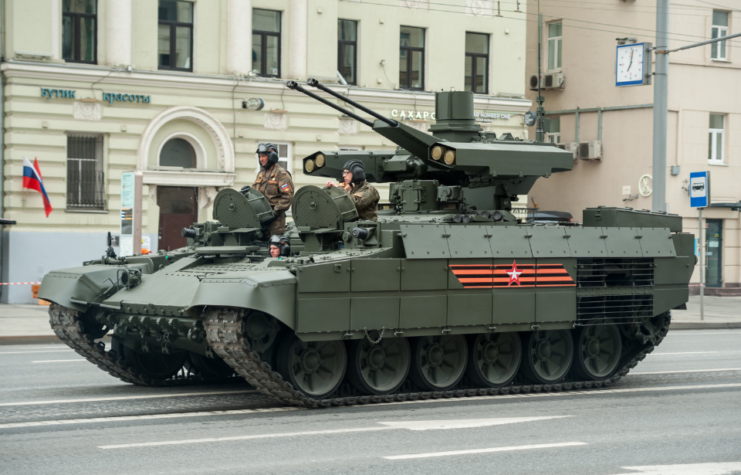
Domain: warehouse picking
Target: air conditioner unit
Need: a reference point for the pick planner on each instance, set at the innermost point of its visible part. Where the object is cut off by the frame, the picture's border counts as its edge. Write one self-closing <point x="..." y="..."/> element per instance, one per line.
<point x="553" y="81"/>
<point x="590" y="150"/>
<point x="533" y="82"/>
<point x="569" y="147"/>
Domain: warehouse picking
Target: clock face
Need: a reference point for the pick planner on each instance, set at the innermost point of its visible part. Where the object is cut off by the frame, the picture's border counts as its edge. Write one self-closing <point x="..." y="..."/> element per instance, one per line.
<point x="629" y="66"/>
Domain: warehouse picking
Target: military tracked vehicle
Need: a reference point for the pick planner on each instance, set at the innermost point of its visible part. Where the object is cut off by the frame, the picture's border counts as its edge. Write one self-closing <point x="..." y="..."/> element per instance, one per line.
<point x="447" y="294"/>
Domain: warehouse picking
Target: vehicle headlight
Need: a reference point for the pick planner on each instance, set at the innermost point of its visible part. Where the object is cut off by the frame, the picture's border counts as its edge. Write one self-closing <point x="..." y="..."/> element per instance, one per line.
<point x="437" y="152"/>
<point x="319" y="160"/>
<point x="449" y="157"/>
<point x="309" y="165"/>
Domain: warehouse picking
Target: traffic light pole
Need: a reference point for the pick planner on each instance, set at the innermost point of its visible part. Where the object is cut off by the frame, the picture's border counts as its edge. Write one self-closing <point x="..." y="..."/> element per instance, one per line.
<point x="661" y="106"/>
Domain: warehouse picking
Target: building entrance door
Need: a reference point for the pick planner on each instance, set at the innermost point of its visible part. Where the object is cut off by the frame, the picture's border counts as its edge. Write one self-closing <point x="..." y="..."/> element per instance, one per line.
<point x="178" y="210"/>
<point x="714" y="252"/>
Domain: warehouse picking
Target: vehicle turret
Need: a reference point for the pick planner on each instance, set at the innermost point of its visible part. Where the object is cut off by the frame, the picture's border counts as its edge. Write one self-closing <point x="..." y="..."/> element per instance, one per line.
<point x="455" y="160"/>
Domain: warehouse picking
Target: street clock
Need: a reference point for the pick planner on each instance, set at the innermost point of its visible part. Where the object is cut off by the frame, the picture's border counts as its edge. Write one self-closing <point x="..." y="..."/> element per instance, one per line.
<point x="633" y="64"/>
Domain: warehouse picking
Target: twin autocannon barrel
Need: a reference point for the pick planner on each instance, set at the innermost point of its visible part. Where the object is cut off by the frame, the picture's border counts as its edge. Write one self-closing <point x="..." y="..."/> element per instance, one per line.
<point x="314" y="83"/>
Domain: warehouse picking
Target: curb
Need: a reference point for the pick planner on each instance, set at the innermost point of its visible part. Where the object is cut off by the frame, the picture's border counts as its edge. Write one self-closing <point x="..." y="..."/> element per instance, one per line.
<point x="704" y="325"/>
<point x="29" y="340"/>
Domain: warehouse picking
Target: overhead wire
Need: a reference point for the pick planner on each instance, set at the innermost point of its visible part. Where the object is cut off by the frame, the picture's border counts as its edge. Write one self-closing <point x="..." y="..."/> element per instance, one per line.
<point x="566" y="25"/>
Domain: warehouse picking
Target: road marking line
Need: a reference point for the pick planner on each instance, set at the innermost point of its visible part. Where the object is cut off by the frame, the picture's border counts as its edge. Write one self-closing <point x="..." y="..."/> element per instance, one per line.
<point x="723" y="468"/>
<point x="122" y="398"/>
<point x="251" y="411"/>
<point x="484" y="451"/>
<point x="714" y="370"/>
<point x="60" y="361"/>
<point x="402" y="425"/>
<point x="31" y="352"/>
<point x="15" y="425"/>
<point x="687" y="353"/>
<point x="597" y="392"/>
<point x="246" y="437"/>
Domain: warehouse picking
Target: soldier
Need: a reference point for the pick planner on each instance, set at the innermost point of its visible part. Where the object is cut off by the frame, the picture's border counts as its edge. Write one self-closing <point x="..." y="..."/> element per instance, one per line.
<point x="276" y="184"/>
<point x="365" y="196"/>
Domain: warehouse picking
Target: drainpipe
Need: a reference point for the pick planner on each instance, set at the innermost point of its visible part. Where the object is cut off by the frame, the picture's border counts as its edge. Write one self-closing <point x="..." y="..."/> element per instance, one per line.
<point x="2" y="145"/>
<point x="599" y="124"/>
<point x="576" y="133"/>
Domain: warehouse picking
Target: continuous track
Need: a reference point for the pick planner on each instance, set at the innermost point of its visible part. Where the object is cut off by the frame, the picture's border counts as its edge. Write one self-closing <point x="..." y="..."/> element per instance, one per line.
<point x="70" y="328"/>
<point x="224" y="333"/>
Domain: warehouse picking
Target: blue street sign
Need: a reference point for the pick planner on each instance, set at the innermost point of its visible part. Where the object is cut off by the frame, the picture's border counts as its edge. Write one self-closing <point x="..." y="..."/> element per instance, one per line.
<point x="700" y="189"/>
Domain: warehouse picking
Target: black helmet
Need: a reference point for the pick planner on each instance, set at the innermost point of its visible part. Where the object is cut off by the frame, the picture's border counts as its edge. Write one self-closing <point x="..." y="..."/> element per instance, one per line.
<point x="274" y="240"/>
<point x="357" y="168"/>
<point x="271" y="151"/>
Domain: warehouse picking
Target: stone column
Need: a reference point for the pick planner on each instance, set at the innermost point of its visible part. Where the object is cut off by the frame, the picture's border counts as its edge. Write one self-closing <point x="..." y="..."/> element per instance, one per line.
<point x="118" y="32"/>
<point x="299" y="34"/>
<point x="239" y="36"/>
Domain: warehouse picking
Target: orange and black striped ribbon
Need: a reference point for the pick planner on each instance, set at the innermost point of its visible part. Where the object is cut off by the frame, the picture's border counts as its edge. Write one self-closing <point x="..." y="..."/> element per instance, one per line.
<point x="484" y="276"/>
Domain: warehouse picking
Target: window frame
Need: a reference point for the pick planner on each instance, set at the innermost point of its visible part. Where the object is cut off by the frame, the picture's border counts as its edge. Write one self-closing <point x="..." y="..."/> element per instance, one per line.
<point x="173" y="26"/>
<point x="99" y="192"/>
<point x="409" y="50"/>
<point x="340" y="47"/>
<point x="717" y="45"/>
<point x="713" y="145"/>
<point x="76" y="28"/>
<point x="559" y="44"/>
<point x="554" y="137"/>
<point x="474" y="56"/>
<point x="264" y="46"/>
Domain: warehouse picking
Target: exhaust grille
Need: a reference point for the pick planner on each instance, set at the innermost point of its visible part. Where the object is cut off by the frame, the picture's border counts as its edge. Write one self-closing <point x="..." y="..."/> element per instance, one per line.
<point x="606" y="273"/>
<point x="618" y="308"/>
<point x="549" y="80"/>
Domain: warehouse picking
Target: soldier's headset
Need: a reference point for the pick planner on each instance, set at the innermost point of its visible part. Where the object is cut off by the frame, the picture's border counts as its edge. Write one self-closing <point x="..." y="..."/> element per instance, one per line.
<point x="270" y="150"/>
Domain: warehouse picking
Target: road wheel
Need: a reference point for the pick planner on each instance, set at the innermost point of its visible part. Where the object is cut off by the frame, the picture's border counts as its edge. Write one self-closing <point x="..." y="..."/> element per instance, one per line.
<point x="438" y="362"/>
<point x="378" y="368"/>
<point x="210" y="367"/>
<point x="493" y="358"/>
<point x="315" y="368"/>
<point x="598" y="351"/>
<point x="153" y="364"/>
<point x="547" y="355"/>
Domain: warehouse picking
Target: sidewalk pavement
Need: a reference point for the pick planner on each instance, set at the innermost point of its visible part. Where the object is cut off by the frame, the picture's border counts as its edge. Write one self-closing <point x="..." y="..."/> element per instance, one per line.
<point x="30" y="323"/>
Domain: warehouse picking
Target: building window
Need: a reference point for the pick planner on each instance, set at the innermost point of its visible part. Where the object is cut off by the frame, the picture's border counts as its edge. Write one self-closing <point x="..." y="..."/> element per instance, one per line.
<point x="347" y="54"/>
<point x="412" y="58"/>
<point x="717" y="139"/>
<point x="178" y="153"/>
<point x="175" y="35"/>
<point x="477" y="63"/>
<point x="79" y="31"/>
<point x="266" y="43"/>
<point x="554" y="134"/>
<point x="554" y="46"/>
<point x="85" y="179"/>
<point x="720" y="29"/>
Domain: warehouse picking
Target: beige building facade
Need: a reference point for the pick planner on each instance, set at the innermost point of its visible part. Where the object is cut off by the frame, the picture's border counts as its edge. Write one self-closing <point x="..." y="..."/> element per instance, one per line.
<point x="183" y="91"/>
<point x="704" y="123"/>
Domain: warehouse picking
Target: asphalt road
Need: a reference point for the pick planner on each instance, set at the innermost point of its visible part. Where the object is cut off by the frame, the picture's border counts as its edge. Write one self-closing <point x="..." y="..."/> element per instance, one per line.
<point x="678" y="412"/>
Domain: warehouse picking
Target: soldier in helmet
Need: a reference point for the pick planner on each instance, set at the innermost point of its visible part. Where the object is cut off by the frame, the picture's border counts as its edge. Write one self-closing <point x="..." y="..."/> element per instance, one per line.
<point x="276" y="184"/>
<point x="365" y="196"/>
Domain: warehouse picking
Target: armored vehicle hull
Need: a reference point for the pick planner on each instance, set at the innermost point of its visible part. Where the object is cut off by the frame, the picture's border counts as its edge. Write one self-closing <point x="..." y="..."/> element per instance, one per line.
<point x="447" y="294"/>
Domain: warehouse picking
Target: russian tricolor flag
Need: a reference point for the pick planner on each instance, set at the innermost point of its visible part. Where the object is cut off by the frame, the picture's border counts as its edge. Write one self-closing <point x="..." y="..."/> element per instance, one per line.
<point x="33" y="181"/>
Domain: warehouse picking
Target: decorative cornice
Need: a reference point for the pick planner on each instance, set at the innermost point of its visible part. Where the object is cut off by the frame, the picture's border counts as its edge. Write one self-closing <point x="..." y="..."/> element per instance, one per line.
<point x="226" y="84"/>
<point x="187" y="178"/>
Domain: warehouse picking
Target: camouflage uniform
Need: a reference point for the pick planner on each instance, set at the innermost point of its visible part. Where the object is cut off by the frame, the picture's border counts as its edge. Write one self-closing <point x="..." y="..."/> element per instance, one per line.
<point x="366" y="200"/>
<point x="277" y="186"/>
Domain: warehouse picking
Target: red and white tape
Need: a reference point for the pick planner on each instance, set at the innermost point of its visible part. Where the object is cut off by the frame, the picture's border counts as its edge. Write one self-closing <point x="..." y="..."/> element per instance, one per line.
<point x="20" y="283"/>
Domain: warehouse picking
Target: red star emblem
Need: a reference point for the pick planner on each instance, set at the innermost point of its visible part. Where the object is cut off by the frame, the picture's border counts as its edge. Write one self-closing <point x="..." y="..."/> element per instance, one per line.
<point x="514" y="274"/>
